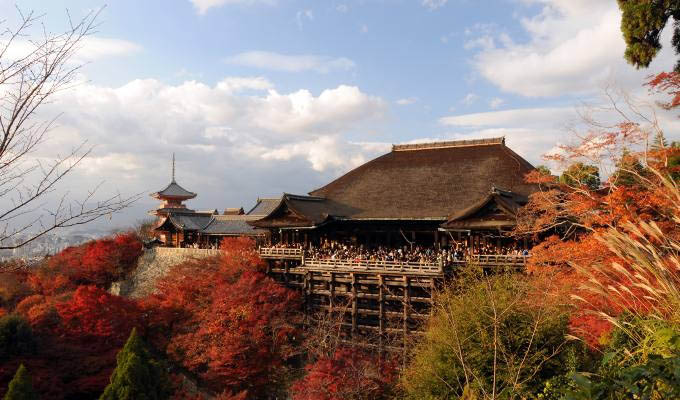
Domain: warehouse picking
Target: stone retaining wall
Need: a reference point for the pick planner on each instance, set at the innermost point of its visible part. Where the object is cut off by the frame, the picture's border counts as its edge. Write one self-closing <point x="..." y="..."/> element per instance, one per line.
<point x="153" y="264"/>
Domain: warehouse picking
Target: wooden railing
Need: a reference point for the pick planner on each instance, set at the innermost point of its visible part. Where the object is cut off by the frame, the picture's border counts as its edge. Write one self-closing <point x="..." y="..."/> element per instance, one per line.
<point x="497" y="260"/>
<point x="366" y="265"/>
<point x="484" y="260"/>
<point x="281" y="253"/>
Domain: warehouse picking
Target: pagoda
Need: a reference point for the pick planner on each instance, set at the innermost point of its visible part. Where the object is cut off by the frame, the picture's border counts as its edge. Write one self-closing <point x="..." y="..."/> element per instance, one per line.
<point x="172" y="197"/>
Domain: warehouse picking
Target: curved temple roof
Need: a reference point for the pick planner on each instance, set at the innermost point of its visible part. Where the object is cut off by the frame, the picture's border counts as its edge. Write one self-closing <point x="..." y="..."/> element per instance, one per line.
<point x="174" y="190"/>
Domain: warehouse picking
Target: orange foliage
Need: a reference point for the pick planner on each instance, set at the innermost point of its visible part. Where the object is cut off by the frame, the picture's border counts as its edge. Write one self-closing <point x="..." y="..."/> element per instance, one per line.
<point x="669" y="83"/>
<point x="566" y="219"/>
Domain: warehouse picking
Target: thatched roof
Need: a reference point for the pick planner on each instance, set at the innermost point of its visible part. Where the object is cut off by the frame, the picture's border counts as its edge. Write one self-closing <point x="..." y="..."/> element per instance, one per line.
<point x="427" y="181"/>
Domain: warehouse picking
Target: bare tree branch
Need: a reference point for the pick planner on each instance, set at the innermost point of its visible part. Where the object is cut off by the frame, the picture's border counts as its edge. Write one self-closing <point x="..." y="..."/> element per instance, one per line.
<point x="33" y="68"/>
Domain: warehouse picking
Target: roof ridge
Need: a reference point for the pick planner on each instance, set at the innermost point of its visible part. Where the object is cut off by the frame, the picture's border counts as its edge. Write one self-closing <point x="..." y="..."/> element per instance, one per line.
<point x="303" y="197"/>
<point x="448" y="144"/>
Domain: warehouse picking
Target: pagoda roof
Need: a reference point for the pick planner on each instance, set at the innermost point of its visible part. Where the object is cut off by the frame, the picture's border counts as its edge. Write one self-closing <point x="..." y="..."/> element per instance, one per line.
<point x="209" y="224"/>
<point x="175" y="191"/>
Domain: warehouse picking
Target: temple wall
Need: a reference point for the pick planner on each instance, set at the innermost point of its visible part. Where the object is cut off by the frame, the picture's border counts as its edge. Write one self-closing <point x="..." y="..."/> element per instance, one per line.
<point x="153" y="264"/>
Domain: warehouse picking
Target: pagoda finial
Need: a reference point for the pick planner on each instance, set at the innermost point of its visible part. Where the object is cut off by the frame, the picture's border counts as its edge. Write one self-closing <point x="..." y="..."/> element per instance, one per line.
<point x="173" y="167"/>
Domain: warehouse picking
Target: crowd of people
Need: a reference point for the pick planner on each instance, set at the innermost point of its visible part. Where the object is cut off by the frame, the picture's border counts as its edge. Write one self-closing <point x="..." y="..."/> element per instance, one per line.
<point x="444" y="255"/>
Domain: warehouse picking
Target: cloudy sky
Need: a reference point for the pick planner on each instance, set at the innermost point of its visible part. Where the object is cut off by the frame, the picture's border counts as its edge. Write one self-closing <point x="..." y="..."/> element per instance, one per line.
<point x="260" y="97"/>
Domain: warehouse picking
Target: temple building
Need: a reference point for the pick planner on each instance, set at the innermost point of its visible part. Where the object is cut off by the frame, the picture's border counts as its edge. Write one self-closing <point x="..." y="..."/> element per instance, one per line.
<point x="178" y="226"/>
<point x="418" y="194"/>
<point x="374" y="244"/>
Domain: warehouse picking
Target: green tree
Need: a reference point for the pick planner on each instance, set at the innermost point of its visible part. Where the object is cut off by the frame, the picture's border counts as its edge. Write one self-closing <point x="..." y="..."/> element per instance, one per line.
<point x="20" y="387"/>
<point x="543" y="170"/>
<point x="642" y="22"/>
<point x="629" y="171"/>
<point x="492" y="337"/>
<point x="137" y="376"/>
<point x="642" y="360"/>
<point x="580" y="174"/>
<point x="16" y="337"/>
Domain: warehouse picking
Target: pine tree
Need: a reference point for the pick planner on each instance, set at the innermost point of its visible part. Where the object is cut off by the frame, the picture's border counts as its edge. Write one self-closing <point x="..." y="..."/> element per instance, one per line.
<point x="642" y="23"/>
<point x="21" y="388"/>
<point x="137" y="376"/>
<point x="659" y="142"/>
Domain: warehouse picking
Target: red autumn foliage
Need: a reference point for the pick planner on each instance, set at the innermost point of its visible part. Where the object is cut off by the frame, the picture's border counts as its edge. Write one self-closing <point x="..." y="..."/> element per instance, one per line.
<point x="225" y="320"/>
<point x="13" y="287"/>
<point x="77" y="325"/>
<point x="98" y="262"/>
<point x="348" y="374"/>
<point x="94" y="314"/>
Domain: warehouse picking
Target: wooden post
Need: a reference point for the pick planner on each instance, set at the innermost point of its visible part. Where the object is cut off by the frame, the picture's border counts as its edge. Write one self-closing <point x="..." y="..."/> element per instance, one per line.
<point x="331" y="290"/>
<point x="407" y="301"/>
<point x="308" y="290"/>
<point x="381" y="313"/>
<point x="354" y="304"/>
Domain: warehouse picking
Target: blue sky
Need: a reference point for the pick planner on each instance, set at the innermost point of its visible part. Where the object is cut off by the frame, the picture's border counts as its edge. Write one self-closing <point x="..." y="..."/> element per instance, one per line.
<point x="258" y="97"/>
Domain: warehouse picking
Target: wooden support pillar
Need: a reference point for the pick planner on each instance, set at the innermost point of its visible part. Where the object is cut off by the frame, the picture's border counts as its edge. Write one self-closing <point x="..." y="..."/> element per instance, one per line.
<point x="437" y="243"/>
<point x="381" y="312"/>
<point x="307" y="287"/>
<point x="354" y="303"/>
<point x="407" y="302"/>
<point x="331" y="290"/>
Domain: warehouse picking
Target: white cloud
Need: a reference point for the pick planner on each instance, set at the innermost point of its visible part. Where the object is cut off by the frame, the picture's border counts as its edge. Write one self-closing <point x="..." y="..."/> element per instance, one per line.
<point x="155" y="115"/>
<point x="237" y="84"/>
<point x="303" y="15"/>
<point x="235" y="140"/>
<point x="95" y="47"/>
<point x="485" y="42"/>
<point x="363" y="28"/>
<point x="572" y="47"/>
<point x="291" y="63"/>
<point x="434" y="4"/>
<point x="89" y="49"/>
<point x="469" y="99"/>
<point x="342" y="8"/>
<point x="407" y="101"/>
<point x="202" y="6"/>
<point x="496" y="102"/>
<point x="523" y="117"/>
